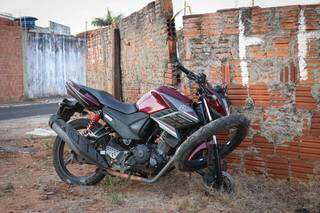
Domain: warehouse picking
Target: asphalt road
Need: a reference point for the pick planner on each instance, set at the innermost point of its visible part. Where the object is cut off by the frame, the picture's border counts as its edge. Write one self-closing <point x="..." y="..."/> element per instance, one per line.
<point x="14" y="112"/>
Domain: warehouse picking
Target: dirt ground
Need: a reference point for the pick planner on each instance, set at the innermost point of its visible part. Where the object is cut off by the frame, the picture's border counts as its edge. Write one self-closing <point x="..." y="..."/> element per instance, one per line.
<point x="28" y="183"/>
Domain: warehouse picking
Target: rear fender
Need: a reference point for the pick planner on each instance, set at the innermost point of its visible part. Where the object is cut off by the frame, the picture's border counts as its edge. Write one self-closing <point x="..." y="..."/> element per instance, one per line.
<point x="68" y="108"/>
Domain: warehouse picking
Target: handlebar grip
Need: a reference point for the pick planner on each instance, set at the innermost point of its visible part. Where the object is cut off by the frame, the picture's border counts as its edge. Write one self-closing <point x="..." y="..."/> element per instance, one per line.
<point x="198" y="78"/>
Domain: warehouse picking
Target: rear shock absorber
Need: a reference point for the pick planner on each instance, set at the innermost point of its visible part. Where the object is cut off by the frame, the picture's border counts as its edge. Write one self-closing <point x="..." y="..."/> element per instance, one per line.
<point x="93" y="121"/>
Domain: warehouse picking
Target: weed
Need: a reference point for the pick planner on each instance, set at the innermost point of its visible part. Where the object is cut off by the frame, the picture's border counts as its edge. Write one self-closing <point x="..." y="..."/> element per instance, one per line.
<point x="47" y="144"/>
<point x="6" y="189"/>
<point x="113" y="183"/>
<point x="117" y="198"/>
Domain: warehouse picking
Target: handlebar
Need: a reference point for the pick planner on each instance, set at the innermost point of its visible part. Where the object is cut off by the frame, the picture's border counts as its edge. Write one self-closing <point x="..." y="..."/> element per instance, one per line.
<point x="198" y="78"/>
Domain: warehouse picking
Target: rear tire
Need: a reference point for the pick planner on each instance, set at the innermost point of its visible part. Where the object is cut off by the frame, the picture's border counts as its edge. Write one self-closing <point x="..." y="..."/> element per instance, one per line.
<point x="59" y="162"/>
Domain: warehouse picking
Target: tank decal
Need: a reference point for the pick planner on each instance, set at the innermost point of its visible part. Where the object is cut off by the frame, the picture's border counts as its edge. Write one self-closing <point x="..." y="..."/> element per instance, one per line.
<point x="183" y="108"/>
<point x="152" y="102"/>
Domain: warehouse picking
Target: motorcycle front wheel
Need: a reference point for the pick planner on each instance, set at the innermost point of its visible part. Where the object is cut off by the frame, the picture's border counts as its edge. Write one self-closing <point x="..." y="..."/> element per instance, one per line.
<point x="237" y="123"/>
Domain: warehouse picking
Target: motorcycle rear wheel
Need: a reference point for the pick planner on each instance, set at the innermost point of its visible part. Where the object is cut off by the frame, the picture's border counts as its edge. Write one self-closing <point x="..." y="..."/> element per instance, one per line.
<point x="68" y="175"/>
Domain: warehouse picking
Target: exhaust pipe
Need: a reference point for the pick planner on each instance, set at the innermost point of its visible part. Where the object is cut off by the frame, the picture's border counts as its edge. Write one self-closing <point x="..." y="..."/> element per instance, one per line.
<point x="78" y="143"/>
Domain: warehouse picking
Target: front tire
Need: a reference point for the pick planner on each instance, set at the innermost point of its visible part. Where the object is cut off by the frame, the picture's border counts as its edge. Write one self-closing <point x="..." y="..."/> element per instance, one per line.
<point x="59" y="161"/>
<point x="240" y="122"/>
<point x="227" y="185"/>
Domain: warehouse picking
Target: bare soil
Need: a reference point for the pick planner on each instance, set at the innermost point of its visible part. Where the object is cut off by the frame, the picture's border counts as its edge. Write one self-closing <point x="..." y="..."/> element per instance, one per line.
<point x="28" y="183"/>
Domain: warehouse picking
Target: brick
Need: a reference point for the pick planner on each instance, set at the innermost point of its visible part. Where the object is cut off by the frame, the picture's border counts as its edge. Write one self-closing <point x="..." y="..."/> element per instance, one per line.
<point x="11" y="68"/>
<point x="245" y="144"/>
<point x="277" y="167"/>
<point x="260" y="95"/>
<point x="310" y="148"/>
<point x="290" y="150"/>
<point x="315" y="124"/>
<point x="264" y="147"/>
<point x="277" y="99"/>
<point x="254" y="164"/>
<point x="237" y="94"/>
<point x="304" y="99"/>
<point x="233" y="159"/>
<point x="301" y="170"/>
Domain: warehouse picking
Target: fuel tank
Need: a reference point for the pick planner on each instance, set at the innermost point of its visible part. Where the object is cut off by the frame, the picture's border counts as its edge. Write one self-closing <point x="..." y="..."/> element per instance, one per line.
<point x="169" y="108"/>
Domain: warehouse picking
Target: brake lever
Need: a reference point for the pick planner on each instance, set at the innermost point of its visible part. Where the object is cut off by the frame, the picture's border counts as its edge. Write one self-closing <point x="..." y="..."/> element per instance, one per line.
<point x="201" y="78"/>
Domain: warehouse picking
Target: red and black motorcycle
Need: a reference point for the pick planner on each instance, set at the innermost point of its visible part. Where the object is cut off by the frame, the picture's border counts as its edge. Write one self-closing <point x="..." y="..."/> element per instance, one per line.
<point x="143" y="141"/>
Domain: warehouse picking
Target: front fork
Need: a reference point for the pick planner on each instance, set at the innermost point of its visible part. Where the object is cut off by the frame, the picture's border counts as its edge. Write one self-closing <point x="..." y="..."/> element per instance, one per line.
<point x="214" y="162"/>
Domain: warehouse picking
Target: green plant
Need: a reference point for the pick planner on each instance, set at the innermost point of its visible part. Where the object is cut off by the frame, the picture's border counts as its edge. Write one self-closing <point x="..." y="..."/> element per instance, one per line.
<point x="108" y="20"/>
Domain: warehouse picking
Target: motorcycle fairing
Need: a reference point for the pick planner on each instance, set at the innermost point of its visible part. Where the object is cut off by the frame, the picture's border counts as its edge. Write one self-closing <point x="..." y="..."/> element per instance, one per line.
<point x="180" y="115"/>
<point x="128" y="126"/>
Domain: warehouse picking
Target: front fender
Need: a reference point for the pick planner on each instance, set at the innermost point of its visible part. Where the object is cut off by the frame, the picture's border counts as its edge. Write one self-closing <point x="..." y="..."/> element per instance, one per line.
<point x="199" y="149"/>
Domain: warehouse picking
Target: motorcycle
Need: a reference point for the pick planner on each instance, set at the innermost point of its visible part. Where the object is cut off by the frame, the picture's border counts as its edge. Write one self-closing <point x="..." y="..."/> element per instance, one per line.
<point x="162" y="131"/>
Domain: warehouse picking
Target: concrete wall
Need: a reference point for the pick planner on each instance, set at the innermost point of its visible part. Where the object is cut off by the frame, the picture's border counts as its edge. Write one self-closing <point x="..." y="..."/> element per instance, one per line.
<point x="54" y="28"/>
<point x="270" y="59"/>
<point x="11" y="68"/>
<point x="50" y="60"/>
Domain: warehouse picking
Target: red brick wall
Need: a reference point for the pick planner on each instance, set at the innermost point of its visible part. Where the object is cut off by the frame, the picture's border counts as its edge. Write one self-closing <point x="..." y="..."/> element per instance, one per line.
<point x="270" y="59"/>
<point x="11" y="63"/>
<point x="144" y="52"/>
<point x="99" y="59"/>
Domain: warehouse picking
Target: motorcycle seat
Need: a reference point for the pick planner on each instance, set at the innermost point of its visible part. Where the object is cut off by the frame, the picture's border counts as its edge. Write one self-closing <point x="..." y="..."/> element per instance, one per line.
<point x="108" y="100"/>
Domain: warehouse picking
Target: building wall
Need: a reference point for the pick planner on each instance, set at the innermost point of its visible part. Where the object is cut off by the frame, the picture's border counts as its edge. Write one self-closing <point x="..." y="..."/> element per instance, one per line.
<point x="144" y="52"/>
<point x="11" y="68"/>
<point x="99" y="73"/>
<point x="270" y="60"/>
<point x="50" y="60"/>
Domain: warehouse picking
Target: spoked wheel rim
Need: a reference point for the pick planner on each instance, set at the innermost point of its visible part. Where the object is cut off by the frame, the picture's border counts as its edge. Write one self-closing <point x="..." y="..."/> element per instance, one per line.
<point x="199" y="161"/>
<point x="216" y="127"/>
<point x="72" y="164"/>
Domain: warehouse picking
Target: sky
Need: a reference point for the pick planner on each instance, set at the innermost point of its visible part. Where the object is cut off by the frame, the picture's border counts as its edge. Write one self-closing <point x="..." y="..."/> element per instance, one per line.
<point x="76" y="13"/>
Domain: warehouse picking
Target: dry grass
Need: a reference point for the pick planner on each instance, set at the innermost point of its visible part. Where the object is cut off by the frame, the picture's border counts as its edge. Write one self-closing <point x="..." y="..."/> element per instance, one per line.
<point x="256" y="194"/>
<point x="7" y="188"/>
<point x="29" y="183"/>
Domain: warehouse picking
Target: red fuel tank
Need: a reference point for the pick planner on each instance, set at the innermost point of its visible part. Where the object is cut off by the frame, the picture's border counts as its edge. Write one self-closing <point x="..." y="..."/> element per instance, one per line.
<point x="154" y="102"/>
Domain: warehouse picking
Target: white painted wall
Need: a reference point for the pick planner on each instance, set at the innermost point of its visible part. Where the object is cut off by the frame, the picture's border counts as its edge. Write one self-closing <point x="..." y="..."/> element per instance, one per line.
<point x="303" y="41"/>
<point x="245" y="41"/>
<point x="49" y="61"/>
